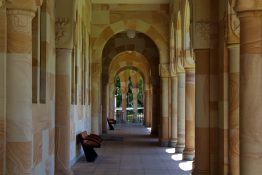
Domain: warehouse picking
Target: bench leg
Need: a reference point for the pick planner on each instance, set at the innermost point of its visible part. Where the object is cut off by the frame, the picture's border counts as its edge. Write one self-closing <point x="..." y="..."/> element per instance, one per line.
<point x="90" y="154"/>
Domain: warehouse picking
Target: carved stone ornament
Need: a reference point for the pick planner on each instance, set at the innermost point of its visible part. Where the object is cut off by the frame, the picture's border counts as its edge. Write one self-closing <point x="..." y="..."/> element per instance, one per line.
<point x="172" y="68"/>
<point x="203" y="28"/>
<point x="203" y="31"/>
<point x="234" y="22"/>
<point x="164" y="70"/>
<point x="61" y="28"/>
<point x="20" y="21"/>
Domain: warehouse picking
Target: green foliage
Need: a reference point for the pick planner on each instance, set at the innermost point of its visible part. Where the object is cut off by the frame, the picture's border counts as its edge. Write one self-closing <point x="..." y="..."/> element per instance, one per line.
<point x="129" y="93"/>
<point x="118" y="92"/>
<point x="140" y="94"/>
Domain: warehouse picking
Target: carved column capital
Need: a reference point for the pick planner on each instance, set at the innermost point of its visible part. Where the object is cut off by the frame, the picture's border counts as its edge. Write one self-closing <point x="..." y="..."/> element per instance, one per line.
<point x="19" y="25"/>
<point x="233" y="27"/>
<point x="173" y="69"/>
<point x="164" y="70"/>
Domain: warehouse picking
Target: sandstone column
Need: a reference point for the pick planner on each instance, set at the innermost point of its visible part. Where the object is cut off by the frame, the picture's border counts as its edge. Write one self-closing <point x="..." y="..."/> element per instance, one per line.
<point x="96" y="109"/>
<point x="173" y="139"/>
<point x="250" y="15"/>
<point x="19" y="155"/>
<point x="181" y="113"/>
<point x="63" y="103"/>
<point x="234" y="60"/>
<point x="164" y="138"/>
<point x="135" y="93"/>
<point x="105" y="106"/>
<point x="202" y="133"/>
<point x="112" y="100"/>
<point x="124" y="90"/>
<point x="189" y="151"/>
<point x="147" y="106"/>
<point x="154" y="92"/>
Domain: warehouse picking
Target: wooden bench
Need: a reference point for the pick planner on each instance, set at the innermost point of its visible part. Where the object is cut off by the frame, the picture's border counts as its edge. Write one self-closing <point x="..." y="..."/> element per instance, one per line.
<point x="110" y="122"/>
<point x="89" y="142"/>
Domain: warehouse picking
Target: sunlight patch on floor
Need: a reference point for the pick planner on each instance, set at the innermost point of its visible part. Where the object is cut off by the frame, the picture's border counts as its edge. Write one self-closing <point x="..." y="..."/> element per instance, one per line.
<point x="177" y="157"/>
<point x="186" y="166"/>
<point x="171" y="150"/>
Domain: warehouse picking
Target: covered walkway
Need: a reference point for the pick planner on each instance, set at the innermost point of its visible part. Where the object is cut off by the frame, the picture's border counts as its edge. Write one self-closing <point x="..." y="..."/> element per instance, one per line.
<point x="130" y="150"/>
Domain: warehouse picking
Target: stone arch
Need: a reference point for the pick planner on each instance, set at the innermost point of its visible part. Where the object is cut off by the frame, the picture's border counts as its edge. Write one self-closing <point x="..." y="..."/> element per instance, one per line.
<point x="122" y="61"/>
<point x="120" y="43"/>
<point x="138" y="25"/>
<point x="132" y="60"/>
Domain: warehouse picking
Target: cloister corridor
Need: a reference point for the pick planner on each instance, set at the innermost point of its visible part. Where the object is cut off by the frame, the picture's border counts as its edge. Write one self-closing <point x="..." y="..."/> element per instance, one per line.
<point x="130" y="150"/>
<point x="191" y="70"/>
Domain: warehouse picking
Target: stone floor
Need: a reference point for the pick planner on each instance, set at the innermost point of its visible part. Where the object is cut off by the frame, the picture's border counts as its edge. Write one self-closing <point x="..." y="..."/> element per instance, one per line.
<point x="130" y="150"/>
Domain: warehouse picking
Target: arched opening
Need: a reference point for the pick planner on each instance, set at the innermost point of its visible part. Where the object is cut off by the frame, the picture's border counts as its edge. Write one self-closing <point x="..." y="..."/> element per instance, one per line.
<point x="137" y="52"/>
<point x="129" y="97"/>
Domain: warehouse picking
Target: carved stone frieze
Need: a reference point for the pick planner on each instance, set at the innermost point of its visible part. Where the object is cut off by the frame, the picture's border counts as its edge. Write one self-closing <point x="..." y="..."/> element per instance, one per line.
<point x="164" y="70"/>
<point x="61" y="25"/>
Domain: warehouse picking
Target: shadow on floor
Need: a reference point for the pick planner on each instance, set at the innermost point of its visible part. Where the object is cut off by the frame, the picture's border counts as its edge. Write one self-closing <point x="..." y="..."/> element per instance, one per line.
<point x="130" y="150"/>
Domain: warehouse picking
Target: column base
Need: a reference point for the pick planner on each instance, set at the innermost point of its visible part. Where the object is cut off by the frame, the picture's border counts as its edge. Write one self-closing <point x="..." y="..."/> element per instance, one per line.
<point x="172" y="143"/>
<point x="188" y="155"/>
<point x="179" y="148"/>
<point x="163" y="143"/>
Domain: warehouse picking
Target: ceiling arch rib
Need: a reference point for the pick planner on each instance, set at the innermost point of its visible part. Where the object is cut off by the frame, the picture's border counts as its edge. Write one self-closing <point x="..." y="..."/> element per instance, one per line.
<point x="126" y="60"/>
<point x="121" y="43"/>
<point x="138" y="25"/>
